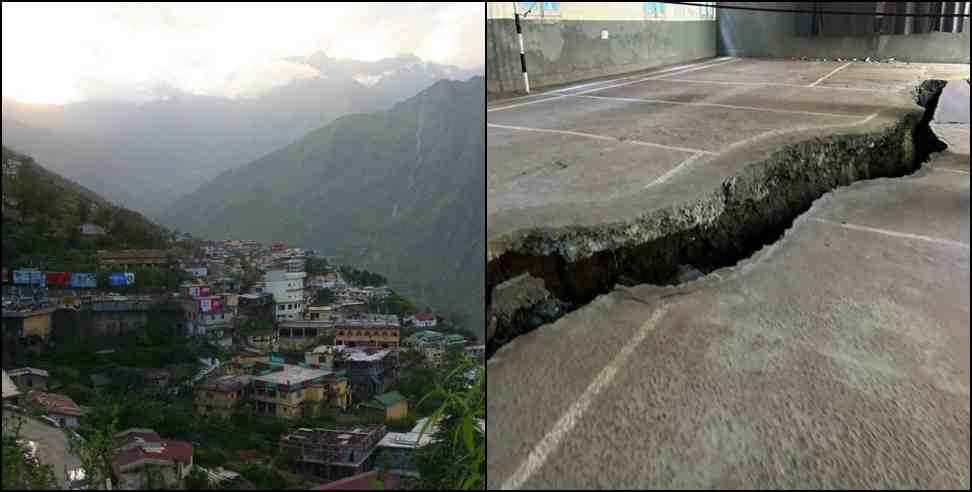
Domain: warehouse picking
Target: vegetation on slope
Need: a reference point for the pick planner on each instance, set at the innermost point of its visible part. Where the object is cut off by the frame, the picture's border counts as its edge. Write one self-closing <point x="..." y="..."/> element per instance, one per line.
<point x="42" y="212"/>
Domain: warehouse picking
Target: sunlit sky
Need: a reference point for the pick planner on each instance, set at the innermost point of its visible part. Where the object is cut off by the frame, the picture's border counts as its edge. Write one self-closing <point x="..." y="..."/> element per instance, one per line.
<point x="61" y="53"/>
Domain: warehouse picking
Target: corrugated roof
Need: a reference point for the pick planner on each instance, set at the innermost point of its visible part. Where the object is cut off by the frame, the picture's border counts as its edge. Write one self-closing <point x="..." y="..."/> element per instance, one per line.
<point x="54" y="403"/>
<point x="390" y="398"/>
<point x="27" y="370"/>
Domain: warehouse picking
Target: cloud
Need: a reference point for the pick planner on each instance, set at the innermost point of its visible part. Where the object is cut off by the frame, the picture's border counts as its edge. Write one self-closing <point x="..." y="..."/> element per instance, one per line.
<point x="68" y="52"/>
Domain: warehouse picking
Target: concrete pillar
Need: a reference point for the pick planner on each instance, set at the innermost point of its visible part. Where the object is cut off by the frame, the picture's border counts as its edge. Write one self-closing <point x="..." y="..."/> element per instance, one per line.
<point x="909" y="22"/>
<point x="958" y="24"/>
<point x="965" y="22"/>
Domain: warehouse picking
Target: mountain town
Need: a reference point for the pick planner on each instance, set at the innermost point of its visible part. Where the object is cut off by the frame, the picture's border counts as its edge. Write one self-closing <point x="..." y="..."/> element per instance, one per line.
<point x="189" y="363"/>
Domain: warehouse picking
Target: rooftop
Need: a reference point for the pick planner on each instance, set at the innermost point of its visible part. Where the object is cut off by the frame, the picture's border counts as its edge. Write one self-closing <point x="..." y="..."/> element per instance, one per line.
<point x="364" y="481"/>
<point x="27" y="370"/>
<point x="341" y="437"/>
<point x="54" y="403"/>
<point x="226" y="383"/>
<point x="292" y="375"/>
<point x="168" y="450"/>
<point x="362" y="356"/>
<point x="384" y="400"/>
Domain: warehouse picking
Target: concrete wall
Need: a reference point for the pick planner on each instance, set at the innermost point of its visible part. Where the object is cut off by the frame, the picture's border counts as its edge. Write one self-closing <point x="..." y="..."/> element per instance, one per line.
<point x="781" y="35"/>
<point x="566" y="45"/>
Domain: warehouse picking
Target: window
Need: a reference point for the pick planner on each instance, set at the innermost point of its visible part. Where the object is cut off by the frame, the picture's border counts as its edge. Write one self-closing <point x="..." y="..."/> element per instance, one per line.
<point x="539" y="8"/>
<point x="655" y="8"/>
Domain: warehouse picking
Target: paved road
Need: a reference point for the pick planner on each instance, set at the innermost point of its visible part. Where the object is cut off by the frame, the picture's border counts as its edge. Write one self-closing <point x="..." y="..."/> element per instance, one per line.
<point x="52" y="445"/>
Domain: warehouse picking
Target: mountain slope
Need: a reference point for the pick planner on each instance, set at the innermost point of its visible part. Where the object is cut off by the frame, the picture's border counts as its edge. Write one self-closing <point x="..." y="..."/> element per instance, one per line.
<point x="42" y="212"/>
<point x="400" y="192"/>
<point x="147" y="155"/>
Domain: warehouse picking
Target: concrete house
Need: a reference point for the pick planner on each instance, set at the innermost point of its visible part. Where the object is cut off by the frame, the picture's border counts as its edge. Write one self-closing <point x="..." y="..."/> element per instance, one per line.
<point x="28" y="378"/>
<point x="392" y="406"/>
<point x="140" y="450"/>
<point x="334" y="454"/>
<point x="91" y="230"/>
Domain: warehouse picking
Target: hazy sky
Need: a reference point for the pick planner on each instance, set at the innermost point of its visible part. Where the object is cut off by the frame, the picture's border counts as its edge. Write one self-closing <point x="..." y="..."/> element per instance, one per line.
<point x="59" y="53"/>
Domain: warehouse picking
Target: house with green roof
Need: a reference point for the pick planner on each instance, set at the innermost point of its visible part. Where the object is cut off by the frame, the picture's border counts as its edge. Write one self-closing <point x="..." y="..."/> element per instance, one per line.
<point x="393" y="405"/>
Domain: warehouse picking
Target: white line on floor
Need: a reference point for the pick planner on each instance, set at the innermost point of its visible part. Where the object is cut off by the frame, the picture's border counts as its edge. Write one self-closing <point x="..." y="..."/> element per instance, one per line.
<point x="825" y="77"/>
<point x="715" y="105"/>
<point x="716" y="61"/>
<point x="551" y="442"/>
<point x="905" y="235"/>
<point x="952" y="170"/>
<point x="610" y="81"/>
<point x="675" y="170"/>
<point x="679" y="69"/>
<point x="504" y="108"/>
<point x="776" y="84"/>
<point x="657" y="77"/>
<point x="601" y="137"/>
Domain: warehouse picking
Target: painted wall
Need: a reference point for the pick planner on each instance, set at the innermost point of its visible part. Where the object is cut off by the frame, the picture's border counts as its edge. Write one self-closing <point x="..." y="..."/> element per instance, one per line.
<point x="781" y="35"/>
<point x="566" y="43"/>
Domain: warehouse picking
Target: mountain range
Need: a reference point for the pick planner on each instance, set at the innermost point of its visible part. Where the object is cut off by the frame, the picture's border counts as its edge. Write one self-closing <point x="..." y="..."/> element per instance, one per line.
<point x="400" y="192"/>
<point x="145" y="156"/>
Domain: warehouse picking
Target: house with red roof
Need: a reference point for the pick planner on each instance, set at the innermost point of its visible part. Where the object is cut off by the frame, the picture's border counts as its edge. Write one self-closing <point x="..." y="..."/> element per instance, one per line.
<point x="144" y="459"/>
<point x="59" y="407"/>
<point x="425" y="319"/>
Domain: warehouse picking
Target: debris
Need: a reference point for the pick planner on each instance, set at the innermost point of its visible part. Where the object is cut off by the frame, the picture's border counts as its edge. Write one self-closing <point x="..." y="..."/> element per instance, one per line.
<point x="868" y="60"/>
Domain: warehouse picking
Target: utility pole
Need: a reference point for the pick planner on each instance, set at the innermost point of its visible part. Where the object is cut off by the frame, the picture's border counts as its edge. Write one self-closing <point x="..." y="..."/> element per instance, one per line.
<point x="519" y="35"/>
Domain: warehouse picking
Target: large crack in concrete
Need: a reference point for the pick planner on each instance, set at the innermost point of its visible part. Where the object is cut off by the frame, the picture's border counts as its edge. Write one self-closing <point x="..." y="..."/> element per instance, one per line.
<point x="553" y="273"/>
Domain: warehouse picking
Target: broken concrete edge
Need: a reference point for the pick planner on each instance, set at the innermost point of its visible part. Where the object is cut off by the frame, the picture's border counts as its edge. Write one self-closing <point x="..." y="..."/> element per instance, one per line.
<point x="893" y="144"/>
<point x="647" y="292"/>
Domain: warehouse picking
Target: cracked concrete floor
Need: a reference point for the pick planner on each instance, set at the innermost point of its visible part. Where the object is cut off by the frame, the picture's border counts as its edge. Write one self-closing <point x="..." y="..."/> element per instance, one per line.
<point x="603" y="152"/>
<point x="836" y="358"/>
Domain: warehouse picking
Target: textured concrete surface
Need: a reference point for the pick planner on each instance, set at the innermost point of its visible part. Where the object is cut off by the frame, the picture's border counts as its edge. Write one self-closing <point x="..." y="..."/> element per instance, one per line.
<point x="566" y="50"/>
<point x="838" y="357"/>
<point x="606" y="152"/>
<point x="954" y="105"/>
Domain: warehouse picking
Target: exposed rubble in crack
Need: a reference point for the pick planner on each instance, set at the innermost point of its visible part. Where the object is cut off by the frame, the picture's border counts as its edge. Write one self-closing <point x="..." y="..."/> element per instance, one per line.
<point x="559" y="271"/>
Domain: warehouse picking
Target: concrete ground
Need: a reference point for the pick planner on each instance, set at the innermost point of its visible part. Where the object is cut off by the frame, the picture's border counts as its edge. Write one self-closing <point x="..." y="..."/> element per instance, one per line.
<point x="838" y="357"/>
<point x="52" y="446"/>
<point x="605" y="152"/>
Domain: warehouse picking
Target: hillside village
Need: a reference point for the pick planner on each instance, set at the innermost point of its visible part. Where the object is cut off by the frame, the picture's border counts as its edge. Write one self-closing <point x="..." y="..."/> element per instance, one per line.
<point x="256" y="351"/>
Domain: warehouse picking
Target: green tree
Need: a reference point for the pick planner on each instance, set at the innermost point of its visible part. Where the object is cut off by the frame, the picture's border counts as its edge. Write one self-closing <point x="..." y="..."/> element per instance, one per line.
<point x="96" y="453"/>
<point x="21" y="471"/>
<point x="197" y="480"/>
<point x="457" y="457"/>
<point x="325" y="297"/>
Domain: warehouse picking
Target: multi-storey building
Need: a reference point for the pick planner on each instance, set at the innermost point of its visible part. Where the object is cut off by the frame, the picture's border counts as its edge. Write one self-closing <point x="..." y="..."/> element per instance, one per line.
<point x="290" y="391"/>
<point x="370" y="371"/>
<point x="132" y="258"/>
<point x="222" y="395"/>
<point x="333" y="454"/>
<point x="285" y="281"/>
<point x="368" y="336"/>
